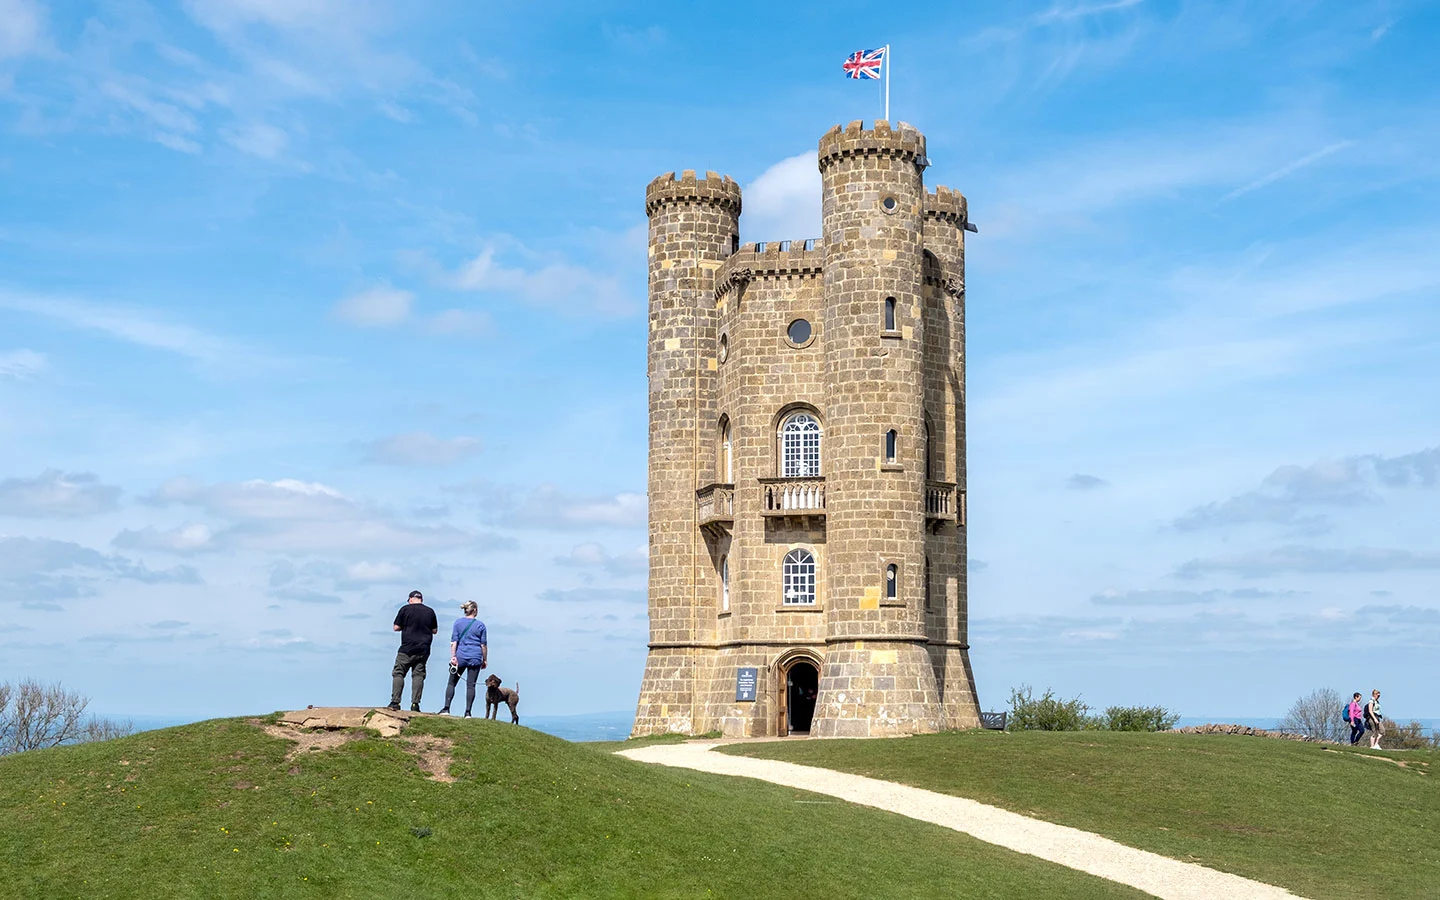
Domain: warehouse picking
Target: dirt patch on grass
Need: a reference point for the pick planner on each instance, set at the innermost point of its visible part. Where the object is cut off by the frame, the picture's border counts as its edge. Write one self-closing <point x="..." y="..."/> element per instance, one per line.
<point x="305" y="740"/>
<point x="1420" y="767"/>
<point x="433" y="754"/>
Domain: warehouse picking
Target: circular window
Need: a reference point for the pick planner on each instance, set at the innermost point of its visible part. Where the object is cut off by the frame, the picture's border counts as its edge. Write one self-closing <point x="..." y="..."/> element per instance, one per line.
<point x="799" y="332"/>
<point x="724" y="347"/>
<point x="889" y="203"/>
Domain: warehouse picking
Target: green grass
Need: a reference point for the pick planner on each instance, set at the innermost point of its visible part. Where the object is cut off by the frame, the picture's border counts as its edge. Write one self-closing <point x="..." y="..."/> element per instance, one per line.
<point x="215" y="810"/>
<point x="1321" y="823"/>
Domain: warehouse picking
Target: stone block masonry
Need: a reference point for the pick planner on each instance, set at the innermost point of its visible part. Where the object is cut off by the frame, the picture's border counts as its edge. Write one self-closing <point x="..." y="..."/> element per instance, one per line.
<point x="807" y="440"/>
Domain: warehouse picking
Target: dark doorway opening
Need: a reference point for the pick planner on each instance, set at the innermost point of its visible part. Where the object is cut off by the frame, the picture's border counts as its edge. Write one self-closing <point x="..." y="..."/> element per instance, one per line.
<point x="802" y="683"/>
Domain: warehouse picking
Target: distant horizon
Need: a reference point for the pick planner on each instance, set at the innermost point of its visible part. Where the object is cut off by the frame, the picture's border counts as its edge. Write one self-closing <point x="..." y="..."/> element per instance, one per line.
<point x="303" y="310"/>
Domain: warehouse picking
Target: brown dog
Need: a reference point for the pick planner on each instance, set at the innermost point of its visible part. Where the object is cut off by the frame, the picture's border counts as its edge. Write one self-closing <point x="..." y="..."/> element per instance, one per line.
<point x="496" y="695"/>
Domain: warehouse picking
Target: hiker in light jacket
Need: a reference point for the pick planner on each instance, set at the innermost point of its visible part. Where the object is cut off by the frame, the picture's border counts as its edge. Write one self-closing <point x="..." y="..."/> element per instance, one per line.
<point x="469" y="651"/>
<point x="1355" y="718"/>
<point x="1374" y="721"/>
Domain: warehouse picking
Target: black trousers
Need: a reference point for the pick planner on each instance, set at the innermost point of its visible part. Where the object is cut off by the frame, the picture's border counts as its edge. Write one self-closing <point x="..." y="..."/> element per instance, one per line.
<point x="471" y="673"/>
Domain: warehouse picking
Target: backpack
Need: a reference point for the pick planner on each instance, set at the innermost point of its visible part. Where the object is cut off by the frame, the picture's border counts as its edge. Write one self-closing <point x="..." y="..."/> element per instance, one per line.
<point x="1345" y="714"/>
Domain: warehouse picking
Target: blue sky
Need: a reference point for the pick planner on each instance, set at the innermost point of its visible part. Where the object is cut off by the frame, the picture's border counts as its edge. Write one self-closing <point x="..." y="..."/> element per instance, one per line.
<point x="304" y="303"/>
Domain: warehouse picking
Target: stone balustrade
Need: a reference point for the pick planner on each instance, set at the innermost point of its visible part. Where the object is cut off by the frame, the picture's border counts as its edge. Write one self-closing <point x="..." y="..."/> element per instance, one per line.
<point x="716" y="505"/>
<point x="941" y="504"/>
<point x="792" y="496"/>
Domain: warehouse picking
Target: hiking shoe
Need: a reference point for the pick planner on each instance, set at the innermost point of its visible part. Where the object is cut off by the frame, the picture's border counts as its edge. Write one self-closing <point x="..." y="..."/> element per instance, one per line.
<point x="414" y="707"/>
<point x="443" y="712"/>
<point x="466" y="716"/>
<point x="393" y="706"/>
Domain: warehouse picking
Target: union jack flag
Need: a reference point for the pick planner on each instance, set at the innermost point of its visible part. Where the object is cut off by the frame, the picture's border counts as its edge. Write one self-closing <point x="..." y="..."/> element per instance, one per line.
<point x="864" y="63"/>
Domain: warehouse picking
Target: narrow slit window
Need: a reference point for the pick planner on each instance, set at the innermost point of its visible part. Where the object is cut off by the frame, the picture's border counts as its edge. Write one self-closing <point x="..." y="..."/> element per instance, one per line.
<point x="927" y="582"/>
<point x="892" y="442"/>
<point x="889" y="313"/>
<point x="892" y="581"/>
<point x="724" y="584"/>
<point x="727" y="454"/>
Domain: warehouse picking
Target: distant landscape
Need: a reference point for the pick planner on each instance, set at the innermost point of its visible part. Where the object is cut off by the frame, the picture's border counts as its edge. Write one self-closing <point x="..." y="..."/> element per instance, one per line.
<point x="615" y="726"/>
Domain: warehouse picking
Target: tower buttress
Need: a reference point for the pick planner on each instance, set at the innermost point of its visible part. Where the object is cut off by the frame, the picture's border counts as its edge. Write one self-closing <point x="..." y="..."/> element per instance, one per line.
<point x="877" y="678"/>
<point x="694" y="226"/>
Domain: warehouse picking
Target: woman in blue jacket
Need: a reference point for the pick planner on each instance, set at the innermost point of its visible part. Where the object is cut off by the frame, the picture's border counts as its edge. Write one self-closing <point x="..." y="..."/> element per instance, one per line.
<point x="468" y="654"/>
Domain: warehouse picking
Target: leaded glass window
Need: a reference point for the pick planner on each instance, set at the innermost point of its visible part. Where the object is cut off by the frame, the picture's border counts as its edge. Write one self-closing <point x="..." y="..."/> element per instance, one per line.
<point x="800" y="447"/>
<point x="798" y="574"/>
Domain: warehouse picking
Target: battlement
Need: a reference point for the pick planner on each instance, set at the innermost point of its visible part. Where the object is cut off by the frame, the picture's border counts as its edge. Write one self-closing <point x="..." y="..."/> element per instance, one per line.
<point x="946" y="205"/>
<point x="770" y="259"/>
<point x="903" y="142"/>
<point x="712" y="189"/>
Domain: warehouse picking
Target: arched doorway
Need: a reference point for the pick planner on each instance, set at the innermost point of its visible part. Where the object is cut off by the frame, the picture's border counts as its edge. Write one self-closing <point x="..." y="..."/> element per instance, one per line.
<point x="802" y="683"/>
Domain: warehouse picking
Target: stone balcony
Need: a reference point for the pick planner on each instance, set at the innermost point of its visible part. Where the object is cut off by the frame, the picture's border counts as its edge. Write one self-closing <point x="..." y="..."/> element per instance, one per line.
<point x="715" y="507"/>
<point x="942" y="503"/>
<point x="792" y="497"/>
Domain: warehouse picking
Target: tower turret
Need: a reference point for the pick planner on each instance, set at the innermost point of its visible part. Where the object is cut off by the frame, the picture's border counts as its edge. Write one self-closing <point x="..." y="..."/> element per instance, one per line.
<point x="878" y="678"/>
<point x="694" y="226"/>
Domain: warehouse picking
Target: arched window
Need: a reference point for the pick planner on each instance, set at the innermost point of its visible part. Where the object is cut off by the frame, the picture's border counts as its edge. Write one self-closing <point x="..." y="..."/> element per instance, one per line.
<point x="800" y="446"/>
<point x="892" y="446"/>
<point x="889" y="313"/>
<point x="725" y="465"/>
<point x="724" y="584"/>
<point x="892" y="581"/>
<point x="798" y="577"/>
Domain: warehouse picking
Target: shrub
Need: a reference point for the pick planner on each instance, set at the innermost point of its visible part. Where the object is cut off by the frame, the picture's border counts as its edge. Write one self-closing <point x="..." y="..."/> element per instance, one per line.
<point x="1048" y="713"/>
<point x="1408" y="737"/>
<point x="1140" y="718"/>
<point x="1319" y="714"/>
<point x="34" y="716"/>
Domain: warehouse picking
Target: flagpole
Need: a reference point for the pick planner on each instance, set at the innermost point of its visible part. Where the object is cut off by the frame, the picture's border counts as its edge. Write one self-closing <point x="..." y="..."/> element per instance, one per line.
<point x="887" y="82"/>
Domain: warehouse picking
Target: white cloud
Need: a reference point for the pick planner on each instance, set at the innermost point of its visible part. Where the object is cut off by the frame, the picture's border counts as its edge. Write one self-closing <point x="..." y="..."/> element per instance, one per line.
<point x="22" y="28"/>
<point x="1310" y="561"/>
<point x="293" y="517"/>
<point x="375" y="573"/>
<point x="548" y="507"/>
<point x="591" y="555"/>
<point x="283" y="15"/>
<point x="375" y="307"/>
<point x="39" y="570"/>
<point x="458" y="322"/>
<point x="190" y="538"/>
<point x="1287" y="170"/>
<point x="130" y="325"/>
<point x="784" y="202"/>
<point x="22" y="365"/>
<point x="257" y="139"/>
<point x="1073" y="11"/>
<point x="53" y="494"/>
<point x="551" y="284"/>
<point x="420" y="448"/>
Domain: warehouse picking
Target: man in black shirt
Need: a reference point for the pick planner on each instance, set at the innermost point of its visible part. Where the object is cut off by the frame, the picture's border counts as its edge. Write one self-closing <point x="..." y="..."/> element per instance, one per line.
<point x="417" y="624"/>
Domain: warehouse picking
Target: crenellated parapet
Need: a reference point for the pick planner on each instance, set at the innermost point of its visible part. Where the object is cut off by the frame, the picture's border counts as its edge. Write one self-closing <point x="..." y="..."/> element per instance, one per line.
<point x="946" y="205"/>
<point x="901" y="142"/>
<point x="770" y="259"/>
<point x="714" y="189"/>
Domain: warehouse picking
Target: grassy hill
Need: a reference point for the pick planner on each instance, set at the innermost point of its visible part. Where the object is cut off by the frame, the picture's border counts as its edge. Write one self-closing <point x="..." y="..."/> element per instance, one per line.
<point x="1325" y="823"/>
<point x="216" y="809"/>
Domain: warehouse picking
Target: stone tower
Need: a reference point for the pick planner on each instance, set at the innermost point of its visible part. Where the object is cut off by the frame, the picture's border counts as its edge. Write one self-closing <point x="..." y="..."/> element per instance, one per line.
<point x="807" y="456"/>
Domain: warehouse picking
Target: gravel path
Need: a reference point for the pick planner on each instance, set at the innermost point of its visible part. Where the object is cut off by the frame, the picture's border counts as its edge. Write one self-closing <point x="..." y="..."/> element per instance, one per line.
<point x="1154" y="874"/>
